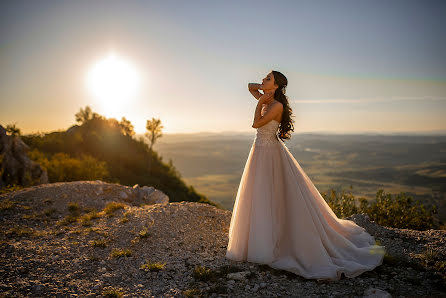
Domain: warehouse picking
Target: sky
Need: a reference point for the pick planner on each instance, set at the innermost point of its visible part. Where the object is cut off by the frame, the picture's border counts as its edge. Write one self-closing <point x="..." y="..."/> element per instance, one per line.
<point x="352" y="66"/>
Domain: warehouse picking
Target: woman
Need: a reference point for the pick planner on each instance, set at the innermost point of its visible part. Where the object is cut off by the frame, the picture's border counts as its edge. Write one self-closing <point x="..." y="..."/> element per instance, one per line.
<point x="279" y="217"/>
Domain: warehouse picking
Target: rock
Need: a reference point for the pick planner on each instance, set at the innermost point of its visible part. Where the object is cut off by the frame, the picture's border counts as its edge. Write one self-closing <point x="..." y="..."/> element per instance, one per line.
<point x="149" y="195"/>
<point x="148" y="190"/>
<point x="98" y="286"/>
<point x="38" y="288"/>
<point x="99" y="191"/>
<point x="123" y="195"/>
<point x="16" y="166"/>
<point x="376" y="293"/>
<point x="238" y="275"/>
<point x="158" y="197"/>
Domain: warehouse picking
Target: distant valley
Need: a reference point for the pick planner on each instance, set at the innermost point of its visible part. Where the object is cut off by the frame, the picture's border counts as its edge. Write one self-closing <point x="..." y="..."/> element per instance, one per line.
<point x="414" y="164"/>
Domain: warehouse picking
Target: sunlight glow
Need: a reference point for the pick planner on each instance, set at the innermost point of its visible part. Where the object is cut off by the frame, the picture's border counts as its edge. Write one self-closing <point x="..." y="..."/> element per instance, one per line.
<point x="114" y="83"/>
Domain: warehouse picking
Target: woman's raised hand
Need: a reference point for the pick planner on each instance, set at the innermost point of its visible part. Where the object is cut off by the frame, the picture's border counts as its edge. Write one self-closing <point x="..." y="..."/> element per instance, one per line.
<point x="254" y="86"/>
<point x="267" y="97"/>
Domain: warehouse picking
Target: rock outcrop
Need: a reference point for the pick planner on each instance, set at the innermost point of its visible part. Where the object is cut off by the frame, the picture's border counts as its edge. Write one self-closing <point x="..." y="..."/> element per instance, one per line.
<point x="175" y="249"/>
<point x="15" y="166"/>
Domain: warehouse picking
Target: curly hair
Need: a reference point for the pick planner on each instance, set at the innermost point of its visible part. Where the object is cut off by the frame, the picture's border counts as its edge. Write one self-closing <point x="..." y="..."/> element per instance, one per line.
<point x="286" y="125"/>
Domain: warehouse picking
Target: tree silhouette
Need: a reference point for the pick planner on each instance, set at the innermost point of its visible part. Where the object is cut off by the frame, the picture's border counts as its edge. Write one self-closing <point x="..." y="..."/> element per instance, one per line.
<point x="153" y="133"/>
<point x="13" y="130"/>
<point x="86" y="114"/>
<point x="127" y="127"/>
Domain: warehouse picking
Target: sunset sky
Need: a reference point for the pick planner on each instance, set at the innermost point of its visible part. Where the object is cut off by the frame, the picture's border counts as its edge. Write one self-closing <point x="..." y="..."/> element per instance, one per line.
<point x="352" y="66"/>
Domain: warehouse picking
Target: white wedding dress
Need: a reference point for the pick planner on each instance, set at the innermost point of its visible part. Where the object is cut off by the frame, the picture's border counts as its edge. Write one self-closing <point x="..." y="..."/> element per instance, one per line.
<point x="280" y="219"/>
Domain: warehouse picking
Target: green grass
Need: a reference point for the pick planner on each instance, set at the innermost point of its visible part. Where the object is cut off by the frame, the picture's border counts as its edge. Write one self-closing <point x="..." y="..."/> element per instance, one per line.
<point x="20" y="231"/>
<point x="152" y="266"/>
<point x="429" y="256"/>
<point x="86" y="218"/>
<point x="440" y="266"/>
<point x="117" y="253"/>
<point x="7" y="205"/>
<point x="112" y="292"/>
<point x="111" y="207"/>
<point x="144" y="233"/>
<point x="73" y="208"/>
<point x="192" y="293"/>
<point x="68" y="220"/>
<point x="50" y="211"/>
<point x="203" y="274"/>
<point x="10" y="188"/>
<point x="98" y="243"/>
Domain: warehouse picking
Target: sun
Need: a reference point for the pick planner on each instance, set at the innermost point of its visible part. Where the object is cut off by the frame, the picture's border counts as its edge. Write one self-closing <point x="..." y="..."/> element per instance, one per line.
<point x="114" y="82"/>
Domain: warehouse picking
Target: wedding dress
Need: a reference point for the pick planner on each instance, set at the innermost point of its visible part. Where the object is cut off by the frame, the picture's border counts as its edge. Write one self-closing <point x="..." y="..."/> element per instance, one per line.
<point x="280" y="219"/>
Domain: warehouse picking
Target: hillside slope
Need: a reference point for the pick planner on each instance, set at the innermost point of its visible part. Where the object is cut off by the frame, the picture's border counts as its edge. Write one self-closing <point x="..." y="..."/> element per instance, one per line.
<point x="53" y="242"/>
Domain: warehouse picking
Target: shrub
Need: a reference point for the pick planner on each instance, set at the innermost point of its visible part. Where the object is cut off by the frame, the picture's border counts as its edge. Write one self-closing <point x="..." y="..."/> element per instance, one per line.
<point x="397" y="211"/>
<point x="62" y="167"/>
<point x="10" y="188"/>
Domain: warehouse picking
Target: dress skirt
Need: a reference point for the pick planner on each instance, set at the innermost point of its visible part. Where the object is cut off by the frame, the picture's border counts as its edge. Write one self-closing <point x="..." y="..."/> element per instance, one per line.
<point x="280" y="219"/>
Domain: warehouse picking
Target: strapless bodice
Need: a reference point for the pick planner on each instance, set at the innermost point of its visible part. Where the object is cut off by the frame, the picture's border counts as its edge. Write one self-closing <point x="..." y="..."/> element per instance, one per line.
<point x="267" y="134"/>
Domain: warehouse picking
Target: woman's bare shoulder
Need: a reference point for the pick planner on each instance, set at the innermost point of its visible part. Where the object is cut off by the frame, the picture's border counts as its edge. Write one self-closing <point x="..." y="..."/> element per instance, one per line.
<point x="277" y="103"/>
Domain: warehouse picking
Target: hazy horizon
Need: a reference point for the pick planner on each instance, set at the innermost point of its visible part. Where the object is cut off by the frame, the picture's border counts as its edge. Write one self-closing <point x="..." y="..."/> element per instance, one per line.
<point x="352" y="67"/>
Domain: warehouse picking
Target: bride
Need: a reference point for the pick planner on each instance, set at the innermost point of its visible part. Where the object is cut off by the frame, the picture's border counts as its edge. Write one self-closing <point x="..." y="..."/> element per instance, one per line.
<point x="279" y="217"/>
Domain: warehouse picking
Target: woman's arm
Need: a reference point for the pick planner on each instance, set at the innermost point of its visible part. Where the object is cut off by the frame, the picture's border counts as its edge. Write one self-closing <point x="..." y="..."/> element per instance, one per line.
<point x="254" y="89"/>
<point x="265" y="98"/>
<point x="273" y="111"/>
<point x="257" y="113"/>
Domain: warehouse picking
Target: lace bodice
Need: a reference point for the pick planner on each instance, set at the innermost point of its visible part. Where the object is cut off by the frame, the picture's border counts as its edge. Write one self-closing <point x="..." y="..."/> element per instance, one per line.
<point x="267" y="134"/>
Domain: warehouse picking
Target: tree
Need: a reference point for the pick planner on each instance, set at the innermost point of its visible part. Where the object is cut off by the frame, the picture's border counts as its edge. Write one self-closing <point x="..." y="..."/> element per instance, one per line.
<point x="127" y="127"/>
<point x="153" y="133"/>
<point x="13" y="130"/>
<point x="84" y="115"/>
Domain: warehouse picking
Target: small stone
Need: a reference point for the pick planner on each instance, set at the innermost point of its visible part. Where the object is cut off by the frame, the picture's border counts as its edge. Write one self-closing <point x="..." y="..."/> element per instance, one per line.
<point x="238" y="275"/>
<point x="376" y="293"/>
<point x="37" y="289"/>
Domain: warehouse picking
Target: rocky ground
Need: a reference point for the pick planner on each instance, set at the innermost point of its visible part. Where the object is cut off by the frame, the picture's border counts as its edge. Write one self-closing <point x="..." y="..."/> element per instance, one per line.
<point x="89" y="239"/>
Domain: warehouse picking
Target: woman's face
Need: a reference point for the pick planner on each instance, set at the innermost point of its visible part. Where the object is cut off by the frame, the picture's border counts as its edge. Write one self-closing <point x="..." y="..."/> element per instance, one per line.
<point x="268" y="83"/>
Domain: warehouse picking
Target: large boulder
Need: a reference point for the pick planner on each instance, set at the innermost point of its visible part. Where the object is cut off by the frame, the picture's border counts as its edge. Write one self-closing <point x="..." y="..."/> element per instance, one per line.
<point x="15" y="165"/>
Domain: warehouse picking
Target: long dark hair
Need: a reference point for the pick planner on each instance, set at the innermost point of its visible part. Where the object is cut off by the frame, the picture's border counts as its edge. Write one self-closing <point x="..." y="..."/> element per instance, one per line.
<point x="286" y="125"/>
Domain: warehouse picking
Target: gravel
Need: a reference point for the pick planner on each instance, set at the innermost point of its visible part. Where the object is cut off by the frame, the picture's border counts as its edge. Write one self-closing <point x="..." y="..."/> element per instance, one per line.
<point x="40" y="257"/>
